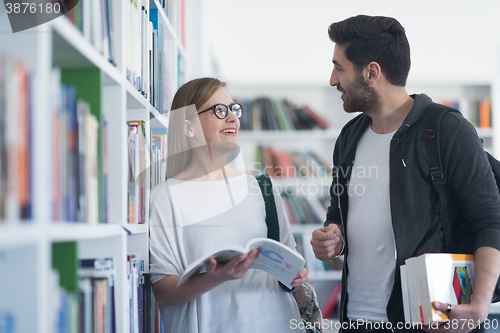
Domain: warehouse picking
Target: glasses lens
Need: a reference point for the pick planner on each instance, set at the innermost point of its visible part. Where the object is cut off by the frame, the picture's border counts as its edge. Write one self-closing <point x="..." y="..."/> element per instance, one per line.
<point x="220" y="111"/>
<point x="237" y="109"/>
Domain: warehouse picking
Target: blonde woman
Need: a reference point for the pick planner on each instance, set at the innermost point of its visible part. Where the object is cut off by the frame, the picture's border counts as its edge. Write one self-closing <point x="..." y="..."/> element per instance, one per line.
<point x="204" y="205"/>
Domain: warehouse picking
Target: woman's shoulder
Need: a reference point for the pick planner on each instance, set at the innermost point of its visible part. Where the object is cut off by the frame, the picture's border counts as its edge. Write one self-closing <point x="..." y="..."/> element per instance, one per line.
<point x="159" y="191"/>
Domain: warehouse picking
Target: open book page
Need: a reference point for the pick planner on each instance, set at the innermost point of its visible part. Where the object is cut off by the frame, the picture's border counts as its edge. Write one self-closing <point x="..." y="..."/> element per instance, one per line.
<point x="277" y="259"/>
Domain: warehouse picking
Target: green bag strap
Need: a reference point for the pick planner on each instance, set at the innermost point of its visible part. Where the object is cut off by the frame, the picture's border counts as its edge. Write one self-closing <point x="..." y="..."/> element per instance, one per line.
<point x="266" y="187"/>
<point x="273" y="227"/>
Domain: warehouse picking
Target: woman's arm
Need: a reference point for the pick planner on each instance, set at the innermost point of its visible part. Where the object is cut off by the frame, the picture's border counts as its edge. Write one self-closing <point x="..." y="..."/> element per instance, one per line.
<point x="168" y="294"/>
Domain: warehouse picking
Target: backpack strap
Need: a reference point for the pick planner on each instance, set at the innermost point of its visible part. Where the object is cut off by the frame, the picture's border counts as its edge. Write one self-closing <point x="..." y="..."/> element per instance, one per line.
<point x="431" y="120"/>
<point x="273" y="227"/>
<point x="266" y="187"/>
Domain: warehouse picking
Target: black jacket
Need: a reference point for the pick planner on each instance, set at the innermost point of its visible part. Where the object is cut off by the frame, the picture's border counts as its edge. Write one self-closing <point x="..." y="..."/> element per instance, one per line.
<point x="415" y="220"/>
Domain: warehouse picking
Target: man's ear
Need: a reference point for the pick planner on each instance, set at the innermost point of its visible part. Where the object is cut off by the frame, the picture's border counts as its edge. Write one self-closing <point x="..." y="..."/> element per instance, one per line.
<point x="187" y="129"/>
<point x="372" y="72"/>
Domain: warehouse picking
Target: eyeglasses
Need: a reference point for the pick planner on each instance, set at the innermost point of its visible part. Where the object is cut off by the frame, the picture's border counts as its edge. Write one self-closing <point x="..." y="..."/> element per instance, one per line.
<point x="221" y="110"/>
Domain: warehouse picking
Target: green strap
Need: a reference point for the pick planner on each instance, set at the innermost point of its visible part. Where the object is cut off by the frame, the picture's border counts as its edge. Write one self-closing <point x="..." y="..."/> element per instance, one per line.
<point x="266" y="187"/>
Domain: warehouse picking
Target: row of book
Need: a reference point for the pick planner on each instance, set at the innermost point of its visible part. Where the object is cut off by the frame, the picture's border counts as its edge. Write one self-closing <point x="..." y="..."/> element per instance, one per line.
<point x="442" y="277"/>
<point x="94" y="19"/>
<point x="16" y="140"/>
<point x="301" y="209"/>
<point x="279" y="114"/>
<point x="84" y="294"/>
<point x="77" y="167"/>
<point x="158" y="157"/>
<point x="138" y="172"/>
<point x="477" y="111"/>
<point x="290" y="164"/>
<point x="147" y="56"/>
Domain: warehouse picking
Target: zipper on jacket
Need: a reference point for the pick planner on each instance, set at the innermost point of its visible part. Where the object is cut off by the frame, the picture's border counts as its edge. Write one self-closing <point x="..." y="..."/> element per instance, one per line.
<point x="392" y="225"/>
<point x="344" y="235"/>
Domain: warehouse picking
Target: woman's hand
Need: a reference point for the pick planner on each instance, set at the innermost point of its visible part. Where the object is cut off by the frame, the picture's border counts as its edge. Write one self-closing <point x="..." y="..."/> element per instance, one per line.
<point x="232" y="270"/>
<point x="301" y="278"/>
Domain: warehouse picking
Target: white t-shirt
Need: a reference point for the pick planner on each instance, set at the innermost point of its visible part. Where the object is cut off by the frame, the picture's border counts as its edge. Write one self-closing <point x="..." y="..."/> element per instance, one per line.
<point x="372" y="253"/>
<point x="190" y="220"/>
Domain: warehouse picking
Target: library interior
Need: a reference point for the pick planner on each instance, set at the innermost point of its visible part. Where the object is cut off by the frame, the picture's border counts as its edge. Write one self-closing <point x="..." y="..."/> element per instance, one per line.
<point x="85" y="99"/>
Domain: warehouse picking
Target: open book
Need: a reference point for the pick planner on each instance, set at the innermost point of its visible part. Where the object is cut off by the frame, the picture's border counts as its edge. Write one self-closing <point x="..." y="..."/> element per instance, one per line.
<point x="276" y="259"/>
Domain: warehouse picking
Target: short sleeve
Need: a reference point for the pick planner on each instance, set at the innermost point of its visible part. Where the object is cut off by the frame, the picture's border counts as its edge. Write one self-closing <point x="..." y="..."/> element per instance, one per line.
<point x="164" y="248"/>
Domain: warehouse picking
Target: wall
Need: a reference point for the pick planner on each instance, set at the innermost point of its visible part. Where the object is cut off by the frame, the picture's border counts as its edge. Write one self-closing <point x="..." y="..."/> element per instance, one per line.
<point x="277" y="41"/>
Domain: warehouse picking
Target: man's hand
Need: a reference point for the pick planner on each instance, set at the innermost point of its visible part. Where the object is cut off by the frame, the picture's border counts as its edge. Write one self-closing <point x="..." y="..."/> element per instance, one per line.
<point x="463" y="318"/>
<point x="327" y="242"/>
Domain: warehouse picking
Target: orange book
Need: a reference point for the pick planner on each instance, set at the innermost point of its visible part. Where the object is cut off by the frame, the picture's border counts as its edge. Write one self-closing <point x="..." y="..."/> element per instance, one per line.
<point x="24" y="144"/>
<point x="485" y="113"/>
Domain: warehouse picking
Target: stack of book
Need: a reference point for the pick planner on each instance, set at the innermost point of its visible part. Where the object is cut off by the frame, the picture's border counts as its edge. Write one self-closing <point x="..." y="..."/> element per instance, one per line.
<point x="435" y="277"/>
<point x="279" y="114"/>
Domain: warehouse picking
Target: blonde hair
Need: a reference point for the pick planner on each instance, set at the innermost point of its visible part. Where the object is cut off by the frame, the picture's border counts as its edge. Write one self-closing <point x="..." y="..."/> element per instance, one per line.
<point x="195" y="92"/>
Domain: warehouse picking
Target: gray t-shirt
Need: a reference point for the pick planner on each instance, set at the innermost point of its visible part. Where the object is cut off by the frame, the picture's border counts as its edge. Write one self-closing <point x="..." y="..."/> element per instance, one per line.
<point x="372" y="254"/>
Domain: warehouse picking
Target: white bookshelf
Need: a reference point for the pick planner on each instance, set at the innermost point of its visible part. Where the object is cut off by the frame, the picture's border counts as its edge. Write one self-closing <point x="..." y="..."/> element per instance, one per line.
<point x="25" y="245"/>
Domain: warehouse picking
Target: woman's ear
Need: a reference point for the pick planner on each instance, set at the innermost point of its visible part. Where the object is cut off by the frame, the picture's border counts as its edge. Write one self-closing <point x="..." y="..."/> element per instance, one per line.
<point x="187" y="129"/>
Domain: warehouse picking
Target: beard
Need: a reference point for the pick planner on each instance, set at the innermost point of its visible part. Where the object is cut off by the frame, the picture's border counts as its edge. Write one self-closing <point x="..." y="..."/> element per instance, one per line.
<point x="359" y="96"/>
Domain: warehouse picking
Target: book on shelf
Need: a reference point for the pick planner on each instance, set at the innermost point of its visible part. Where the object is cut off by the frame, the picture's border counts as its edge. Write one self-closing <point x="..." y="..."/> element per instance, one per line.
<point x="310" y="210"/>
<point x="64" y="286"/>
<point x="97" y="295"/>
<point x="290" y="164"/>
<point x="435" y="277"/>
<point x="16" y="140"/>
<point x="138" y="171"/>
<point x="159" y="158"/>
<point x="277" y="259"/>
<point x="75" y="160"/>
<point x="331" y="307"/>
<point x="279" y="115"/>
<point x="476" y="110"/>
<point x="94" y="19"/>
<point x="140" y="296"/>
<point x="7" y="322"/>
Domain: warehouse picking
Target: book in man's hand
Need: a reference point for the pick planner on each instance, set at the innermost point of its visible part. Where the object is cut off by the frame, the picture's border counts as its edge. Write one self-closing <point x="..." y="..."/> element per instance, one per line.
<point x="435" y="277"/>
<point x="277" y="259"/>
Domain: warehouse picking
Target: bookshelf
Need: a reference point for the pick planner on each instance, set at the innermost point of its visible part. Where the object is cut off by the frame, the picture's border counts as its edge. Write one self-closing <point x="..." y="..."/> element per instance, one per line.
<point x="468" y="98"/>
<point x="61" y="64"/>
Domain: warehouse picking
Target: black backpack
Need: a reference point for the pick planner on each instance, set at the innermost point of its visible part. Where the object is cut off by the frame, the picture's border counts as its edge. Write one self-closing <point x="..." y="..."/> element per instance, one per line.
<point x="431" y="120"/>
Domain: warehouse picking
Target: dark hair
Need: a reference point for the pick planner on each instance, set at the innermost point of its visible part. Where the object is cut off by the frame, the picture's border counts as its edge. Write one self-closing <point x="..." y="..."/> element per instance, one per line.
<point x="375" y="38"/>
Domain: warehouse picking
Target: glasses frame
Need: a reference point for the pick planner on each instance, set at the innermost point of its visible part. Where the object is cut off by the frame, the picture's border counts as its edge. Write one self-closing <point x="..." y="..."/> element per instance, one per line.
<point x="228" y="107"/>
